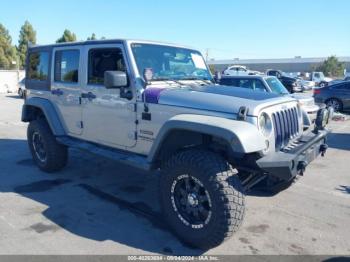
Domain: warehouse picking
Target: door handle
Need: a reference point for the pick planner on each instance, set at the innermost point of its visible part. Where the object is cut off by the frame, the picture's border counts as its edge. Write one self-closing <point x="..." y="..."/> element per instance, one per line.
<point x="88" y="95"/>
<point x="57" y="92"/>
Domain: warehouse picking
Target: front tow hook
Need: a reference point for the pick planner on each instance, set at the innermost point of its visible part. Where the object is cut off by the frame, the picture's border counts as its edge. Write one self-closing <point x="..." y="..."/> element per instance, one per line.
<point x="323" y="149"/>
<point x="302" y="167"/>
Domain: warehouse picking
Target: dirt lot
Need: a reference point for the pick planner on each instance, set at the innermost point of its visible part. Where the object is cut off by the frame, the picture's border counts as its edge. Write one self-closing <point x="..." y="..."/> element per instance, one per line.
<point x="96" y="206"/>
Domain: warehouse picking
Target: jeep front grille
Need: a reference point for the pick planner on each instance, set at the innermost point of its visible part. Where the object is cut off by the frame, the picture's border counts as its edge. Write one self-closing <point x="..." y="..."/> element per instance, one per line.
<point x="286" y="126"/>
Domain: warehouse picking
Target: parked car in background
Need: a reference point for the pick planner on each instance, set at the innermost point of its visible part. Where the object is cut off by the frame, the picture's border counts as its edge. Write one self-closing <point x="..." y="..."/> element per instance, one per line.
<point x="292" y="84"/>
<point x="238" y="70"/>
<point x="271" y="84"/>
<point x="307" y="85"/>
<point x="336" y="96"/>
<point x="22" y="88"/>
<point x="318" y="78"/>
<point x="337" y="81"/>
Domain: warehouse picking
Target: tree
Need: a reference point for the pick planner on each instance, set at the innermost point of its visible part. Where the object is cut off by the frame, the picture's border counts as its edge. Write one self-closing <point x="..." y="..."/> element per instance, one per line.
<point x="67" y="36"/>
<point x="92" y="37"/>
<point x="332" y="67"/>
<point x="26" y="35"/>
<point x="212" y="69"/>
<point x="8" y="56"/>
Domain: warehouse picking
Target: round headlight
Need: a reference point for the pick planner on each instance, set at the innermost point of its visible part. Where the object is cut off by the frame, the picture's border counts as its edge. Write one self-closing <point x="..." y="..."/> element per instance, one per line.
<point x="265" y="124"/>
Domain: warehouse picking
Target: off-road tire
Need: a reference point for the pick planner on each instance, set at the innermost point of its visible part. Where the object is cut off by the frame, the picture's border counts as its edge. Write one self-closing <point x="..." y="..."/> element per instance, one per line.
<point x="56" y="154"/>
<point x="225" y="191"/>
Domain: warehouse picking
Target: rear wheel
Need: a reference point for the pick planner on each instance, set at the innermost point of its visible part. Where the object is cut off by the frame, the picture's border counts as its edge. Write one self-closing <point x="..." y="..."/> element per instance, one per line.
<point x="335" y="103"/>
<point x="201" y="197"/>
<point x="322" y="84"/>
<point x="20" y="93"/>
<point x="49" y="155"/>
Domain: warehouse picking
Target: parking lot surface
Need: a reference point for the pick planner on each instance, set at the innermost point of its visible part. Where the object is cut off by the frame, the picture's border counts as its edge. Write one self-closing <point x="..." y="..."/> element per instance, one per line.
<point x="97" y="206"/>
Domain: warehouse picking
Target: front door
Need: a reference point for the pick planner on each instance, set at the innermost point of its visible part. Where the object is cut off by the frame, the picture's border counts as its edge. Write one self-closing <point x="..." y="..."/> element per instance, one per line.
<point x="66" y="87"/>
<point x="107" y="118"/>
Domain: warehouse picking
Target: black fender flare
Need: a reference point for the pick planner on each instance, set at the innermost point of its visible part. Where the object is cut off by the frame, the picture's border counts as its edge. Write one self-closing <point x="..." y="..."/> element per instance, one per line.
<point x="49" y="111"/>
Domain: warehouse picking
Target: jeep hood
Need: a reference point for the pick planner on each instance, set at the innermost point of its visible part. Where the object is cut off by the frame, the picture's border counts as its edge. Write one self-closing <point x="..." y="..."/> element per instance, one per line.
<point x="226" y="99"/>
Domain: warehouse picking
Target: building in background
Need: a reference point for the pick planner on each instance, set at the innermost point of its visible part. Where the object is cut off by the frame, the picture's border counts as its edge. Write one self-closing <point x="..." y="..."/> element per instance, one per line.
<point x="297" y="64"/>
<point x="9" y="80"/>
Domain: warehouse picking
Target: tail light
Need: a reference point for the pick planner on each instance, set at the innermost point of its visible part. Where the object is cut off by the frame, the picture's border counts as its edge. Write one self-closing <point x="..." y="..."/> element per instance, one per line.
<point x="317" y="91"/>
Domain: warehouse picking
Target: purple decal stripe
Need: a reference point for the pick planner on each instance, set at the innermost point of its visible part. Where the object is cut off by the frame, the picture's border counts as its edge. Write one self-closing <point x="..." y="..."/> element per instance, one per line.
<point x="152" y="94"/>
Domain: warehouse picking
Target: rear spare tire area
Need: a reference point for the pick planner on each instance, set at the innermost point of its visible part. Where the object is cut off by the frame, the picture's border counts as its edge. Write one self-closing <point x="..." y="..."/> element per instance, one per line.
<point x="201" y="198"/>
<point x="48" y="155"/>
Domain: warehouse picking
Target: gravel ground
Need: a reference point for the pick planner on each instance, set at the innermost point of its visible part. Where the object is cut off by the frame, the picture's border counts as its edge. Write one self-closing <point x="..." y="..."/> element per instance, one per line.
<point x="96" y="206"/>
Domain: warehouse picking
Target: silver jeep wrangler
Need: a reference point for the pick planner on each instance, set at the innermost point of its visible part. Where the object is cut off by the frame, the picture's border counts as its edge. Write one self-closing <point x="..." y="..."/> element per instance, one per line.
<point x="156" y="106"/>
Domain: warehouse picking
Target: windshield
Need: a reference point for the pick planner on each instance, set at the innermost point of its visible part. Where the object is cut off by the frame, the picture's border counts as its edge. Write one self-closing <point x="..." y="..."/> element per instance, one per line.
<point x="170" y="63"/>
<point x="276" y="86"/>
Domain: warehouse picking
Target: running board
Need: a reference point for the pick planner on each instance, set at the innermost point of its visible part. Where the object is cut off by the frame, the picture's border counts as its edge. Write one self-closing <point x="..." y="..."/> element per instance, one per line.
<point x="124" y="157"/>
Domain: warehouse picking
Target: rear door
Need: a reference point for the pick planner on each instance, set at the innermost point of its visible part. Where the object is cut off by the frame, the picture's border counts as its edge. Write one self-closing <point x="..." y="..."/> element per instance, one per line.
<point x="66" y="87"/>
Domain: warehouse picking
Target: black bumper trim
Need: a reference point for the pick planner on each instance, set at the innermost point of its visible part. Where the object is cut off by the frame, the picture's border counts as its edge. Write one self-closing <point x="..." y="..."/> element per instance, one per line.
<point x="285" y="165"/>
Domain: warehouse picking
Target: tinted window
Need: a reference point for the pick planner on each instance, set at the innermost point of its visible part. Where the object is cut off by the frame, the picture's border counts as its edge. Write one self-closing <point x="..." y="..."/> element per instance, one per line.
<point x="229" y="82"/>
<point x="66" y="66"/>
<point x="102" y="60"/>
<point x="253" y="84"/>
<point x="38" y="66"/>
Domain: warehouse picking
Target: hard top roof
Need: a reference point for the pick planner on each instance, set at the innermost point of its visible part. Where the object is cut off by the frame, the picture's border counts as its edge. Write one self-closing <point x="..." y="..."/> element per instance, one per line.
<point x="106" y="41"/>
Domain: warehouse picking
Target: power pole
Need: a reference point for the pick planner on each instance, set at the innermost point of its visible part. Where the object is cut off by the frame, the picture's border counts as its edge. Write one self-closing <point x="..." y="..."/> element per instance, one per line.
<point x="206" y="55"/>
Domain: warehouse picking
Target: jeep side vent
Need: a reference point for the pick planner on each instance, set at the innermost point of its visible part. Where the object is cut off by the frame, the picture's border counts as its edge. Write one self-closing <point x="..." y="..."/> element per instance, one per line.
<point x="242" y="113"/>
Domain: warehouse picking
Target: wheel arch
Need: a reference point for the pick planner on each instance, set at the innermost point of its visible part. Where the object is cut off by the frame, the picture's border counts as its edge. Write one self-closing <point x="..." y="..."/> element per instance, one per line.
<point x="36" y="107"/>
<point x="230" y="136"/>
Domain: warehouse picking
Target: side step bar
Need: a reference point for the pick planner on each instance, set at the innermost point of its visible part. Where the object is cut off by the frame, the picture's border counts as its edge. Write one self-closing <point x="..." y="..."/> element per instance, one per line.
<point x="124" y="157"/>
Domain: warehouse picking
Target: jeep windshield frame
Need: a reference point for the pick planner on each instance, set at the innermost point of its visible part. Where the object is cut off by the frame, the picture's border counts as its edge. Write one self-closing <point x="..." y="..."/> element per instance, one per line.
<point x="170" y="63"/>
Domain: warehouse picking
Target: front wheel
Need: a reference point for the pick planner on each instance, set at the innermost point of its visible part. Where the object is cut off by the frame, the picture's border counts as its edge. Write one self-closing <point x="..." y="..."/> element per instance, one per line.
<point x="201" y="198"/>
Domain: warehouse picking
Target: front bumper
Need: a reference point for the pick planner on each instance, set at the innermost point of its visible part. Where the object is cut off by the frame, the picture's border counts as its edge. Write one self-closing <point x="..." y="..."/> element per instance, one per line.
<point x="291" y="161"/>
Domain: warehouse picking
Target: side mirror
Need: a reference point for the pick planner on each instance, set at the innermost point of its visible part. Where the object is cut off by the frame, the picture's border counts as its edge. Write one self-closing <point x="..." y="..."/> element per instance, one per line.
<point x="115" y="79"/>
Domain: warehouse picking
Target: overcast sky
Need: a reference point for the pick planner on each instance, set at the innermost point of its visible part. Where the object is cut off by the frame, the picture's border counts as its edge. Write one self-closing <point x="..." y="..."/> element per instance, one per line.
<point x="228" y="29"/>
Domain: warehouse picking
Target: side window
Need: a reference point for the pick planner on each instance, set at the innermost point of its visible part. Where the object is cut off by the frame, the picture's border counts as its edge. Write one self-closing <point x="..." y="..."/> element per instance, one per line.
<point x="229" y="82"/>
<point x="246" y="83"/>
<point x="101" y="60"/>
<point x="38" y="66"/>
<point x="259" y="86"/>
<point x="67" y="66"/>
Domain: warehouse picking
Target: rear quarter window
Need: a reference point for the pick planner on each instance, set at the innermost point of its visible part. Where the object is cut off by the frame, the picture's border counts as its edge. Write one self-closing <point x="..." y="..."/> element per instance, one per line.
<point x="39" y="66"/>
